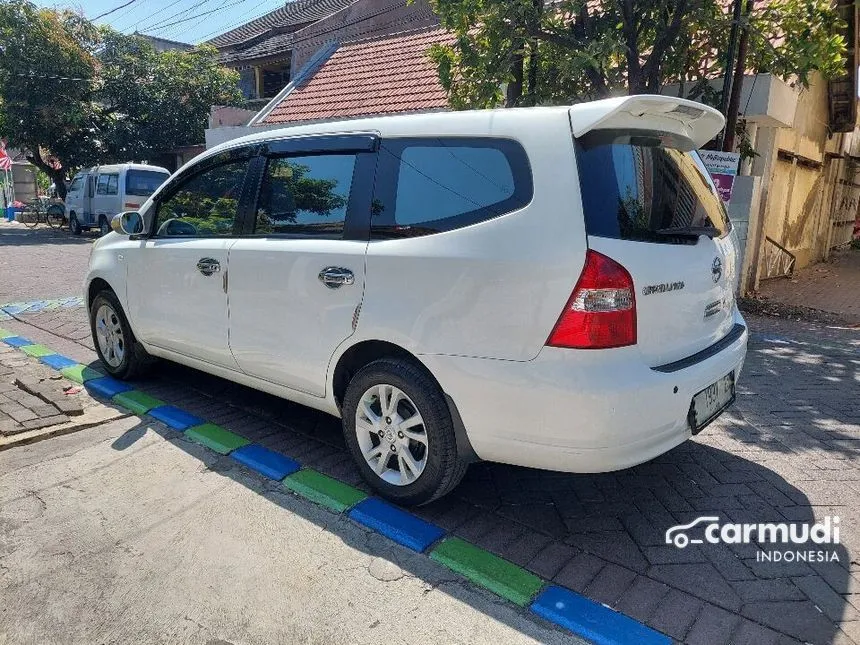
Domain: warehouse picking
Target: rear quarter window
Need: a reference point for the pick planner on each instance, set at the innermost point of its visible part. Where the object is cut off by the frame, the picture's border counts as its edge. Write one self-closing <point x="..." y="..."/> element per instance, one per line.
<point x="634" y="186"/>
<point x="430" y="185"/>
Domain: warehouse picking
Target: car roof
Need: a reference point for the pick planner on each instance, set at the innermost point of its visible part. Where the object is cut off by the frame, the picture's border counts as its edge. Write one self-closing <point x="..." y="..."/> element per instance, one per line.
<point x="123" y="166"/>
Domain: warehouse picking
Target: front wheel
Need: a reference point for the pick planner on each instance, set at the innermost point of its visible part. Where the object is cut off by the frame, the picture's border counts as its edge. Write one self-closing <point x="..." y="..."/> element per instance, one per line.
<point x="56" y="217"/>
<point x="120" y="353"/>
<point x="400" y="433"/>
<point x="74" y="225"/>
<point x="104" y="226"/>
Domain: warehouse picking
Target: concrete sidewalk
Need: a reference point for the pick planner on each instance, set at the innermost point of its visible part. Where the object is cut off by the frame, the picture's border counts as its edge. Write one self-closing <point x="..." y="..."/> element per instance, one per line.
<point x="832" y="287"/>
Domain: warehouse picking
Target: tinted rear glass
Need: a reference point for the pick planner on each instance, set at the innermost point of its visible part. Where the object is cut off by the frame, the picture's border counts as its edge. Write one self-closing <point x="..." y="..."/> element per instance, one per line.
<point x="633" y="186"/>
<point x="143" y="182"/>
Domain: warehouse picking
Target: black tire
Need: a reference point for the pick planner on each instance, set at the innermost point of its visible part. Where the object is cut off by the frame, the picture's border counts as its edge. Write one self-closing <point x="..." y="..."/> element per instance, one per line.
<point x="104" y="226"/>
<point x="444" y="468"/>
<point x="74" y="225"/>
<point x="55" y="216"/>
<point x="135" y="360"/>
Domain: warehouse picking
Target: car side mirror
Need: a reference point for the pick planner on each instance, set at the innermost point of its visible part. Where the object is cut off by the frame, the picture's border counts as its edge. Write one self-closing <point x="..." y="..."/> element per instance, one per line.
<point x="127" y="223"/>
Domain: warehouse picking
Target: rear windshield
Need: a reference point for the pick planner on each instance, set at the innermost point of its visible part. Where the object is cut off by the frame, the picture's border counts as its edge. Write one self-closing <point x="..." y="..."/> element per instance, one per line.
<point x="143" y="182"/>
<point x="634" y="185"/>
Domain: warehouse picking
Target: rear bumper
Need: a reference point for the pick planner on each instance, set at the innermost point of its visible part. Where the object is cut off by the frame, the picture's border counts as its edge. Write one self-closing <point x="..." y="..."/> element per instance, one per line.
<point x="578" y="411"/>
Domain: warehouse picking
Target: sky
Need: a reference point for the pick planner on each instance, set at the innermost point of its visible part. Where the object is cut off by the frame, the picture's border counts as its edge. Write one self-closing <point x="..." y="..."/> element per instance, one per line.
<point x="189" y="21"/>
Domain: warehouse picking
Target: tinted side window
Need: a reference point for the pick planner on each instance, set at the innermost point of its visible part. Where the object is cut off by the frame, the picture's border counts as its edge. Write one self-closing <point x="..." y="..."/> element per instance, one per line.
<point x="441" y="184"/>
<point x="204" y="205"/>
<point x="76" y="184"/>
<point x="102" y="185"/>
<point x="305" y="195"/>
<point x="113" y="184"/>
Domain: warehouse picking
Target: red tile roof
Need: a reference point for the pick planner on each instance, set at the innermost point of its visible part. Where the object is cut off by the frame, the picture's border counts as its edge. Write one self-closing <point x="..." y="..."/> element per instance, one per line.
<point x="380" y="76"/>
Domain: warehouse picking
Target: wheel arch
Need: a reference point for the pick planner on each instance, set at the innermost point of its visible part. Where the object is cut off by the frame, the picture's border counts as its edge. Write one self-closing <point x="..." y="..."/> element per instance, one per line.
<point x="95" y="287"/>
<point x="366" y="351"/>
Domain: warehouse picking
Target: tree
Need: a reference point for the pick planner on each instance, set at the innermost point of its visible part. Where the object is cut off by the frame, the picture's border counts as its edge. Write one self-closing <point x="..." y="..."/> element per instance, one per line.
<point x="585" y="49"/>
<point x="73" y="94"/>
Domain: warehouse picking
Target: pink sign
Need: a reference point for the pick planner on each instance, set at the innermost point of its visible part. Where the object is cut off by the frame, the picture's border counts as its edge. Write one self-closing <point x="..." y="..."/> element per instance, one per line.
<point x="724" y="185"/>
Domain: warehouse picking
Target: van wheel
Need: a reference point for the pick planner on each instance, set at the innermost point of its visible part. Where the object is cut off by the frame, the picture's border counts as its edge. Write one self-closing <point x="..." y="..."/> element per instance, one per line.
<point x="104" y="225"/>
<point x="120" y="353"/>
<point x="74" y="225"/>
<point x="399" y="430"/>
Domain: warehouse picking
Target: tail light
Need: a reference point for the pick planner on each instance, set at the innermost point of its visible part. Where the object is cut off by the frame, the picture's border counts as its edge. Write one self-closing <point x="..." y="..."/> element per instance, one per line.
<point x="601" y="312"/>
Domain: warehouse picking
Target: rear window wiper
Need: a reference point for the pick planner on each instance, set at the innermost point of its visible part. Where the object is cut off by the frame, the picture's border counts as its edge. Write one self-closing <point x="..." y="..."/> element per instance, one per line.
<point x="691" y="231"/>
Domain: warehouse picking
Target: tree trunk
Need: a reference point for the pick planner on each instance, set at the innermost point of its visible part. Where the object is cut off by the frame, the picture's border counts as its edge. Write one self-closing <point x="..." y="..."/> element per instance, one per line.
<point x="515" y="86"/>
<point x="533" y="72"/>
<point x="738" y="84"/>
<point x="57" y="176"/>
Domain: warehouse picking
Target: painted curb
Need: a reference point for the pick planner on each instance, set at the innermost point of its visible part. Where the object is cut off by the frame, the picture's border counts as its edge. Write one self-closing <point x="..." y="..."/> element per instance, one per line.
<point x="503" y="578"/>
<point x="215" y="437"/>
<point x="563" y="607"/>
<point x="324" y="490"/>
<point x="37" y="351"/>
<point x="136" y="401"/>
<point x="80" y="373"/>
<point x="593" y="621"/>
<point x="107" y="386"/>
<point x="175" y="418"/>
<point x="398" y="525"/>
<point x="267" y="462"/>
<point x="57" y="361"/>
<point x="18" y="341"/>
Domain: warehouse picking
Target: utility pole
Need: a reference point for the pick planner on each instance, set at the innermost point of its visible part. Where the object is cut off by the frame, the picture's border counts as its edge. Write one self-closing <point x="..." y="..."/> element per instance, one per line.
<point x="730" y="61"/>
<point x="735" y="98"/>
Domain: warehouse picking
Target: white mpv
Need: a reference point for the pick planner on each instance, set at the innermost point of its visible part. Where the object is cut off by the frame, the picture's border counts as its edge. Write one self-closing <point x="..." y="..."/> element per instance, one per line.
<point x="549" y="287"/>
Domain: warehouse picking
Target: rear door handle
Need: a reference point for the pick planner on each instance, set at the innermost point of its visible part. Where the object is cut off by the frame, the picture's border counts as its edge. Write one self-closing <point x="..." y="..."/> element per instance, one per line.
<point x="208" y="266"/>
<point x="336" y="277"/>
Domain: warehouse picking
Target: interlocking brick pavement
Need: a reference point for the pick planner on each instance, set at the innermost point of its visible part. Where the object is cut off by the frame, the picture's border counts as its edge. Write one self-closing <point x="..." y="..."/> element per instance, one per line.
<point x="788" y="451"/>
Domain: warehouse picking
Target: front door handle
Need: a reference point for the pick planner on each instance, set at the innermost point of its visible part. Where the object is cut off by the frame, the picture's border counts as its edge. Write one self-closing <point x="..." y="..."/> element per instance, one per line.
<point x="335" y="277"/>
<point x="208" y="266"/>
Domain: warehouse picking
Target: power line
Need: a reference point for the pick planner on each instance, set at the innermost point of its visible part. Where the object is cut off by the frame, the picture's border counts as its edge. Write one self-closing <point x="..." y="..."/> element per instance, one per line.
<point x="200" y="15"/>
<point x="181" y="12"/>
<point x="241" y="21"/>
<point x="107" y="13"/>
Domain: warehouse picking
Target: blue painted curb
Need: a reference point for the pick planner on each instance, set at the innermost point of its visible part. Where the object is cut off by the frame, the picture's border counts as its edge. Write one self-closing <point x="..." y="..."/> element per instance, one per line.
<point x="107" y="386"/>
<point x="175" y="418"/>
<point x="402" y="527"/>
<point x="593" y="621"/>
<point x="18" y="341"/>
<point x="267" y="462"/>
<point x="57" y="361"/>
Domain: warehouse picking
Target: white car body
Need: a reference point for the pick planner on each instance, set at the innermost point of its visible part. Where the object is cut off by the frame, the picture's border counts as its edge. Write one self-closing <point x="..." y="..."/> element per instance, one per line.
<point x="97" y="194"/>
<point x="474" y="305"/>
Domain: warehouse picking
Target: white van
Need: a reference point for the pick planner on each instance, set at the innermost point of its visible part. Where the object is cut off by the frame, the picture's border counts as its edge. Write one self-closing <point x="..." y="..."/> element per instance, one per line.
<point x="97" y="194"/>
<point x="550" y="287"/>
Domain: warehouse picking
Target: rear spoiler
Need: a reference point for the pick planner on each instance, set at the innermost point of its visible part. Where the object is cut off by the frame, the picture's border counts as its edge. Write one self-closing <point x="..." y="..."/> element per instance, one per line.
<point x="695" y="121"/>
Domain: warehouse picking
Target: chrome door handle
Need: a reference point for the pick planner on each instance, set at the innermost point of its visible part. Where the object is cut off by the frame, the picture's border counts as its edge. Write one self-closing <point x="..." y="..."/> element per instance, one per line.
<point x="335" y="277"/>
<point x="208" y="266"/>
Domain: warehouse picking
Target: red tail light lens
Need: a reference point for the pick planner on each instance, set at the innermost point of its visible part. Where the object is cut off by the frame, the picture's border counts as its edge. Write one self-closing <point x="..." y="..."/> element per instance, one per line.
<point x="601" y="312"/>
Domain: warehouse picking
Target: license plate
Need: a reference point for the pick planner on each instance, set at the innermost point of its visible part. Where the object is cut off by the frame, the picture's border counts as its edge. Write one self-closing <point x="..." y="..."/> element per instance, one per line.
<point x="710" y="402"/>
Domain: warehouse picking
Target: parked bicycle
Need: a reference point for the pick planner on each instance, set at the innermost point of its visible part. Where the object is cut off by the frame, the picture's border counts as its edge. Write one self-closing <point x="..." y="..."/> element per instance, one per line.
<point x="42" y="210"/>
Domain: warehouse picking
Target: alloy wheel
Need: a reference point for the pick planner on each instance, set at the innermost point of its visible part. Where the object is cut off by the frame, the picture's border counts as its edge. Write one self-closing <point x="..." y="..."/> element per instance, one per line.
<point x="391" y="434"/>
<point x="110" y="336"/>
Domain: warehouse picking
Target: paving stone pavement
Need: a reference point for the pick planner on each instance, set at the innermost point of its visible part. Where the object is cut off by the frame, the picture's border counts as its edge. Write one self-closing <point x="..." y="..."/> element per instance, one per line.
<point x="787" y="452"/>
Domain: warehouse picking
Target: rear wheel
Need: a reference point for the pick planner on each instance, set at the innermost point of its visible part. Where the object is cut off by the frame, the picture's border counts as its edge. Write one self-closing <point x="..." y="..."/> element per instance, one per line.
<point x="74" y="225"/>
<point x="120" y="353"/>
<point x="56" y="217"/>
<point x="104" y="225"/>
<point x="399" y="431"/>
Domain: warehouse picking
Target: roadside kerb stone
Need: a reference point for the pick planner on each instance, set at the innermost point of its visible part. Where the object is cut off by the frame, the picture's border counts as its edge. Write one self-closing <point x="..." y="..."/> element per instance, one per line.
<point x="214" y="437"/>
<point x="324" y="490"/>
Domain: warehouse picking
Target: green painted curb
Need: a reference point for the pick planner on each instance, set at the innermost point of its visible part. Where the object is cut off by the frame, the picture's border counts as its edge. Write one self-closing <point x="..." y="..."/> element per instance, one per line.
<point x="5" y="333"/>
<point x="215" y="437"/>
<point x="482" y="567"/>
<point x="37" y="350"/>
<point x="137" y="401"/>
<point x="324" y="490"/>
<point x="80" y="373"/>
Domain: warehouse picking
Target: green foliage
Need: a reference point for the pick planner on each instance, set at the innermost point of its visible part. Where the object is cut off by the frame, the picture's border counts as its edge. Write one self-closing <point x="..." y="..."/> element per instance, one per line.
<point x="288" y="191"/>
<point x="586" y="49"/>
<point x="90" y="95"/>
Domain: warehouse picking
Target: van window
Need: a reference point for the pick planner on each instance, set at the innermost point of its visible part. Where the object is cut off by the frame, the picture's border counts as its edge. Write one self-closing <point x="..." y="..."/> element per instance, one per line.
<point x="634" y="185"/>
<point x="107" y="185"/>
<point x="305" y="195"/>
<point x="76" y="185"/>
<point x="205" y="204"/>
<point x="143" y="183"/>
<point x="445" y="183"/>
